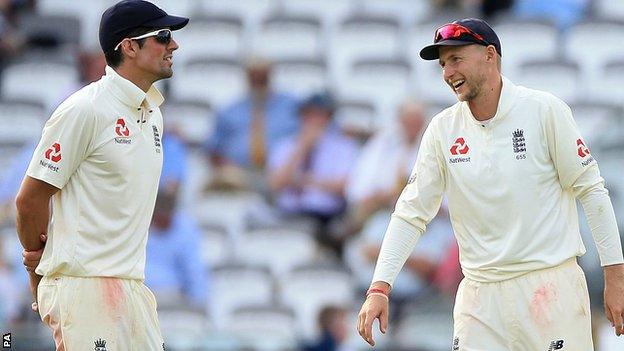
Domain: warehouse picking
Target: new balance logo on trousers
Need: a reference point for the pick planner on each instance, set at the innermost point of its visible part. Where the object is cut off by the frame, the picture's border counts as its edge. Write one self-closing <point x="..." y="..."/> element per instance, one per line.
<point x="556" y="345"/>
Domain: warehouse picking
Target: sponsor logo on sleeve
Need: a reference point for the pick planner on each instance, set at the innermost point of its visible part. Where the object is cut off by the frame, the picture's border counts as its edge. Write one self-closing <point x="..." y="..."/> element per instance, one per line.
<point x="122" y="131"/>
<point x="458" y="150"/>
<point x="53" y="156"/>
<point x="583" y="152"/>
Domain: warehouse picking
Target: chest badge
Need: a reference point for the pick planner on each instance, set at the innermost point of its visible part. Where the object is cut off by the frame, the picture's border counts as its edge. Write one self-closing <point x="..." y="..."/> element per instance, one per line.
<point x="157" y="143"/>
<point x="519" y="144"/>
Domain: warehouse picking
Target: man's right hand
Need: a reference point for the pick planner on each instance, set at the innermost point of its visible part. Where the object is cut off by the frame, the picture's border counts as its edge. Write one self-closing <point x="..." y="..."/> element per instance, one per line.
<point x="34" y="280"/>
<point x="375" y="307"/>
<point x="31" y="259"/>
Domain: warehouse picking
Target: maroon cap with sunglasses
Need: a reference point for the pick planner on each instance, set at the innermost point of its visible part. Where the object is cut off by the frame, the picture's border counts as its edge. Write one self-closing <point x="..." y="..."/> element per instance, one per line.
<point x="120" y="19"/>
<point x="463" y="32"/>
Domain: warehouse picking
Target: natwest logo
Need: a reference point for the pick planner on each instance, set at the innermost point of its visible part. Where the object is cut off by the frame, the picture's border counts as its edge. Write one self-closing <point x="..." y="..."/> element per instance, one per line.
<point x="53" y="153"/>
<point x="460" y="147"/>
<point x="582" y="150"/>
<point x="121" y="129"/>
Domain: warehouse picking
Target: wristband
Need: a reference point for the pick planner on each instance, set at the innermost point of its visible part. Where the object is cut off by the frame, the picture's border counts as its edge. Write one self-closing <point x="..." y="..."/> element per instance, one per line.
<point x="376" y="291"/>
<point x="378" y="294"/>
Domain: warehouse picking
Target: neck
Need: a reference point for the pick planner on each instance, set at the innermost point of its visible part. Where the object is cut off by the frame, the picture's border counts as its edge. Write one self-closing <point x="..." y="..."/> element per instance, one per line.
<point x="484" y="106"/>
<point x="135" y="77"/>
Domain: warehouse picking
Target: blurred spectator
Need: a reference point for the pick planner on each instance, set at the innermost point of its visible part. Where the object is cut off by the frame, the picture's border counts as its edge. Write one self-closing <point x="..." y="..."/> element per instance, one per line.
<point x="175" y="155"/>
<point x="433" y="264"/>
<point x="91" y="65"/>
<point x="384" y="165"/>
<point x="308" y="171"/>
<point x="173" y="269"/>
<point x="247" y="131"/>
<point x="376" y="182"/>
<point x="9" y="293"/>
<point x="564" y="13"/>
<point x="11" y="179"/>
<point x="11" y="42"/>
<point x="332" y="321"/>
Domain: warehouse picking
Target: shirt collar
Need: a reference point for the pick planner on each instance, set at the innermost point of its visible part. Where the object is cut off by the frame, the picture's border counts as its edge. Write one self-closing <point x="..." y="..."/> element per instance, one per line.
<point x="505" y="102"/>
<point x="131" y="94"/>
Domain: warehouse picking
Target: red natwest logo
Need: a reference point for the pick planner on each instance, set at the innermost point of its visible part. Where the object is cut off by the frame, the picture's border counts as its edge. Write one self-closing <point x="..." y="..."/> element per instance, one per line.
<point x="582" y="149"/>
<point x="121" y="129"/>
<point x="53" y="153"/>
<point x="460" y="147"/>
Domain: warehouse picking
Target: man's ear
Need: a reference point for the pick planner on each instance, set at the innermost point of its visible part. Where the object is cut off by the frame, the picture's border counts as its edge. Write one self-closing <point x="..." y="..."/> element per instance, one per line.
<point x="490" y="52"/>
<point x="129" y="48"/>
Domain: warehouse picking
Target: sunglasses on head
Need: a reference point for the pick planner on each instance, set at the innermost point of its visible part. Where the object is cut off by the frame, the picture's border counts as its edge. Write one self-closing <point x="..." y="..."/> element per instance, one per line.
<point x="452" y="31"/>
<point x="162" y="36"/>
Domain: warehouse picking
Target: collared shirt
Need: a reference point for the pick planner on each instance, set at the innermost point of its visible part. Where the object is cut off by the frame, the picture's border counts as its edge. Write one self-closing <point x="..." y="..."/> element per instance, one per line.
<point x="232" y="135"/>
<point x="330" y="147"/>
<point x="509" y="183"/>
<point x="102" y="149"/>
<point x="173" y="260"/>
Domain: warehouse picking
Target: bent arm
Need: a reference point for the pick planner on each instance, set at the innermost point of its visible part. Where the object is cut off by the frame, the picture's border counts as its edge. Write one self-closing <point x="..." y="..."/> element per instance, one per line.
<point x="33" y="211"/>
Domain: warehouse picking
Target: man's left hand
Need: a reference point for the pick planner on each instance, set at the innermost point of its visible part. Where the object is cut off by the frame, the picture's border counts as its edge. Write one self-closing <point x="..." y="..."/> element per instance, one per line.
<point x="614" y="296"/>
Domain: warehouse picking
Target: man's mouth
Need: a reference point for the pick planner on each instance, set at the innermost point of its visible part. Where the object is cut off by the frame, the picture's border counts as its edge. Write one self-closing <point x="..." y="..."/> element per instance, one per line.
<point x="169" y="58"/>
<point x="458" y="83"/>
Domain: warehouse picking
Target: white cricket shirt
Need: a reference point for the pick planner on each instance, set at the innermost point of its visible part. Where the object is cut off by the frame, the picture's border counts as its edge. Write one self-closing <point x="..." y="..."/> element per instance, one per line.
<point x="509" y="184"/>
<point x="102" y="148"/>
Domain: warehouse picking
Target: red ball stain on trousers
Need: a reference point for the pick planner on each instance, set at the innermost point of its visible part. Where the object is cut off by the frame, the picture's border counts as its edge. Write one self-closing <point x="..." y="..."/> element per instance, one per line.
<point x="113" y="296"/>
<point x="543" y="297"/>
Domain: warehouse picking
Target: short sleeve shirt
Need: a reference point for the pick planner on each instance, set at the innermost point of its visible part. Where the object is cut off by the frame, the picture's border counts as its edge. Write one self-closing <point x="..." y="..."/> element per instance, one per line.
<point x="102" y="148"/>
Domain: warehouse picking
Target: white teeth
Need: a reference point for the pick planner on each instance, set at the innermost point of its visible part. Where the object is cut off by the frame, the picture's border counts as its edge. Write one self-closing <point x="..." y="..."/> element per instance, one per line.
<point x="458" y="83"/>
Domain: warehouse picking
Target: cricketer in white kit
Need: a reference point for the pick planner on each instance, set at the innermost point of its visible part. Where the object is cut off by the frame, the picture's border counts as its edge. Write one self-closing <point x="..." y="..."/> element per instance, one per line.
<point x="512" y="163"/>
<point x="99" y="161"/>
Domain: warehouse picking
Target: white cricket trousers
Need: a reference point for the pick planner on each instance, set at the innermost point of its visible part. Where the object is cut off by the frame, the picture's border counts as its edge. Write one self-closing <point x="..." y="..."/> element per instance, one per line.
<point x="99" y="313"/>
<point x="544" y="310"/>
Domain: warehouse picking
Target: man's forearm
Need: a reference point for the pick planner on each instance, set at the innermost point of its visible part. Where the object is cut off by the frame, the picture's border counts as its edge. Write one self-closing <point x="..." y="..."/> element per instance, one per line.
<point x="602" y="223"/>
<point x="32" y="221"/>
<point x="33" y="212"/>
<point x="398" y="244"/>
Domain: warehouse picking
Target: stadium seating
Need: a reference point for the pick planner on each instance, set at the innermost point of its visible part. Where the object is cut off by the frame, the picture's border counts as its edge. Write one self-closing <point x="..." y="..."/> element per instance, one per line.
<point x="280" y="250"/>
<point x="382" y="81"/>
<point x="55" y="81"/>
<point x="301" y="77"/>
<point x="590" y="43"/>
<point x="357" y="116"/>
<point x="22" y="121"/>
<point x="362" y="36"/>
<point x="238" y="286"/>
<point x="192" y="120"/>
<point x="519" y="46"/>
<point x="263" y="327"/>
<point x="210" y="36"/>
<point x="327" y="11"/>
<point x="308" y="288"/>
<point x="561" y="78"/>
<point x="288" y="36"/>
<point x="217" y="81"/>
<point x="216" y="247"/>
